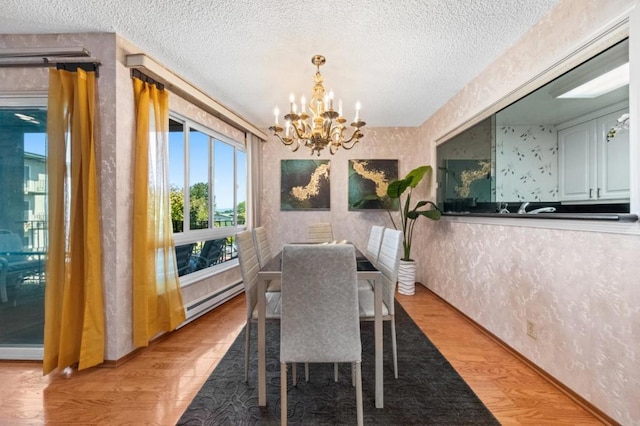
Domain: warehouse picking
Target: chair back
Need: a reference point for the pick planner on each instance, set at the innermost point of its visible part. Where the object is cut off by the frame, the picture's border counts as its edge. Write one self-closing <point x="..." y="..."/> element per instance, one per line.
<point x="213" y="251"/>
<point x="249" y="267"/>
<point x="183" y="256"/>
<point x="375" y="240"/>
<point x="263" y="249"/>
<point x="388" y="264"/>
<point x="11" y="242"/>
<point x="319" y="317"/>
<point x="320" y="233"/>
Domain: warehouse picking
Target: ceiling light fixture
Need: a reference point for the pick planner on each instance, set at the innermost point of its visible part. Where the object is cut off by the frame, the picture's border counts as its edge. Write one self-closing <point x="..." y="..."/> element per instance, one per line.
<point x="324" y="127"/>
<point x="600" y="85"/>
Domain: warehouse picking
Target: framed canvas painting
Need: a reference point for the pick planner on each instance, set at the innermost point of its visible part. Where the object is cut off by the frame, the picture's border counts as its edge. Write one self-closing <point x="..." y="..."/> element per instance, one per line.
<point x="305" y="185"/>
<point x="368" y="182"/>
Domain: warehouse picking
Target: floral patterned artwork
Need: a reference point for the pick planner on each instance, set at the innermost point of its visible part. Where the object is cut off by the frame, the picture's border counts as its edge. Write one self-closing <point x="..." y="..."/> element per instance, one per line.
<point x="526" y="163"/>
<point x="305" y="185"/>
<point x="370" y="178"/>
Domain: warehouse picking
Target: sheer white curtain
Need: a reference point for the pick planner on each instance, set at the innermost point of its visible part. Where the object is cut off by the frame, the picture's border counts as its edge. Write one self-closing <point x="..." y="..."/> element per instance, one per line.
<point x="254" y="149"/>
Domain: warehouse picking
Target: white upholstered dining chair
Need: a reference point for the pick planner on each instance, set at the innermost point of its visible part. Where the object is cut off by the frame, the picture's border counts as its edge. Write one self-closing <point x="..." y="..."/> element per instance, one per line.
<point x="374" y="243"/>
<point x="321" y="232"/>
<point x="320" y="317"/>
<point x="263" y="249"/>
<point x="388" y="264"/>
<point x="249" y="267"/>
<point x="373" y="250"/>
<point x="264" y="253"/>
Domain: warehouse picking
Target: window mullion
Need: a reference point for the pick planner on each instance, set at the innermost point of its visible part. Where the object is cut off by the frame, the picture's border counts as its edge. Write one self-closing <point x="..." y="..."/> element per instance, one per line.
<point x="186" y="226"/>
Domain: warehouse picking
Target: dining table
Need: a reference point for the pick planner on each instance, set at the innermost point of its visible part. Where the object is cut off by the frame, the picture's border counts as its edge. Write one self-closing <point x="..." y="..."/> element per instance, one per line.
<point x="365" y="271"/>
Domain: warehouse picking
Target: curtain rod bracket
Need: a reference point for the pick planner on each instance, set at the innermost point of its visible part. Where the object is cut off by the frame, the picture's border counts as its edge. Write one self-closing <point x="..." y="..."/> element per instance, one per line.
<point x="73" y="66"/>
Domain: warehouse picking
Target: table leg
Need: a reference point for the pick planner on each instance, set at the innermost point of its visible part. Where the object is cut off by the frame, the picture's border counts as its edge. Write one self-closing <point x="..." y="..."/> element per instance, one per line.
<point x="262" y="363"/>
<point x="378" y="338"/>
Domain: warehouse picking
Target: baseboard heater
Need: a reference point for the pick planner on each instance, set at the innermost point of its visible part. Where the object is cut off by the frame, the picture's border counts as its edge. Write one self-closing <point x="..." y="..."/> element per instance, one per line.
<point x="206" y="303"/>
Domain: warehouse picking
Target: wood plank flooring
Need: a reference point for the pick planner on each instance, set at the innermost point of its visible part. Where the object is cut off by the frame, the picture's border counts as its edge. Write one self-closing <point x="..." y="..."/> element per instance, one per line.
<point x="156" y="386"/>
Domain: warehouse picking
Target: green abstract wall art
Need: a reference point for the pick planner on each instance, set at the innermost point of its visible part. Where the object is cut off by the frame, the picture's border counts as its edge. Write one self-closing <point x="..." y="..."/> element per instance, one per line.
<point x="370" y="178"/>
<point x="305" y="185"/>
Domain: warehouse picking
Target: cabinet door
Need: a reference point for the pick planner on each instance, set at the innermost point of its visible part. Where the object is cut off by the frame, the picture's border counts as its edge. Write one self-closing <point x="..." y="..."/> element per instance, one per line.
<point x="576" y="167"/>
<point x="613" y="160"/>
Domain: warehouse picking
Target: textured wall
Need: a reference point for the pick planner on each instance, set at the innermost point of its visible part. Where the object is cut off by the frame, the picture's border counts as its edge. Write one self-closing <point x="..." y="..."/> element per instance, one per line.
<point x="580" y="288"/>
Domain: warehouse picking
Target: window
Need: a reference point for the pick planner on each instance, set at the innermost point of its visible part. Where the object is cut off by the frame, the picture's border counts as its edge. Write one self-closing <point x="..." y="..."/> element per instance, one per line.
<point x="546" y="150"/>
<point x="23" y="224"/>
<point x="208" y="191"/>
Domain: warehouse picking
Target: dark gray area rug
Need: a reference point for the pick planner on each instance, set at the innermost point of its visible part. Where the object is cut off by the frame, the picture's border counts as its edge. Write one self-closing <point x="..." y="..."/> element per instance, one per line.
<point x="428" y="391"/>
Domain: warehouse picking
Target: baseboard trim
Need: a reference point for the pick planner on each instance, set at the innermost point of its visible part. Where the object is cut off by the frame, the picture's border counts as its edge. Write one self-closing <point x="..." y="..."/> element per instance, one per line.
<point x="227" y="294"/>
<point x="592" y="409"/>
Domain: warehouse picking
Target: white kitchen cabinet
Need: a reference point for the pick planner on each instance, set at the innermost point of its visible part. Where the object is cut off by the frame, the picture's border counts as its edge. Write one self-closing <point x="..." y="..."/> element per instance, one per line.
<point x="590" y="168"/>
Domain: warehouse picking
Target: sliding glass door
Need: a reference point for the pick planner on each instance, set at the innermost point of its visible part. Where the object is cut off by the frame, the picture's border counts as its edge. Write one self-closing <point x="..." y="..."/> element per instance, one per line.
<point x="23" y="226"/>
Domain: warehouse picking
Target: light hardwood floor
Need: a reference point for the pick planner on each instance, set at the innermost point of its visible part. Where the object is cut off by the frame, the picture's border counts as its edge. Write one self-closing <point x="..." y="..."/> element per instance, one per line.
<point x="156" y="386"/>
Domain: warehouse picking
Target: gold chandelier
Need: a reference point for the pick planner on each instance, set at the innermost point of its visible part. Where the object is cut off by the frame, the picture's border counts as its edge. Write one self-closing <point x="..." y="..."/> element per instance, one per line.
<point x="324" y="127"/>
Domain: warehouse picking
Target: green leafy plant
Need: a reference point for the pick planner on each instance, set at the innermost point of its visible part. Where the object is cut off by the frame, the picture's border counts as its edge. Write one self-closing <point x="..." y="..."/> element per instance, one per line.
<point x="408" y="214"/>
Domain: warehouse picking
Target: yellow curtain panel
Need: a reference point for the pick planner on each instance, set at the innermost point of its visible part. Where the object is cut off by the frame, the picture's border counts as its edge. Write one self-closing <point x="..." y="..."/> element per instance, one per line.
<point x="157" y="301"/>
<point x="74" y="305"/>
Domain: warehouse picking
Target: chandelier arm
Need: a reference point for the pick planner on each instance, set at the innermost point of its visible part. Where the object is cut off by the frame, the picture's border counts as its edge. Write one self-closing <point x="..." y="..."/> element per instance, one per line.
<point x="356" y="135"/>
<point x="348" y="147"/>
<point x="298" y="134"/>
<point x="285" y="141"/>
<point x="289" y="142"/>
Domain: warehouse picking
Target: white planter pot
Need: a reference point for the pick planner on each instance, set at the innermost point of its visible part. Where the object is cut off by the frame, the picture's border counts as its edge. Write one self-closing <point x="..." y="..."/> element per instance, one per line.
<point x="407" y="277"/>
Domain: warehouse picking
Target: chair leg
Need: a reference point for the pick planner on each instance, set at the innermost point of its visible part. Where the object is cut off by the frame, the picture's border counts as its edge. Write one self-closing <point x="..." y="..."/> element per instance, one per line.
<point x="335" y="372"/>
<point x="360" y="411"/>
<point x="306" y="371"/>
<point x="294" y="373"/>
<point x="283" y="394"/>
<point x="353" y="374"/>
<point x="394" y="346"/>
<point x="246" y="350"/>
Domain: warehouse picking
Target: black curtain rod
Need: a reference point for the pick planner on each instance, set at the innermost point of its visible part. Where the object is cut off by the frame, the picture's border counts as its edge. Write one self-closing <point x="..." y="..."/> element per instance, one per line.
<point x="137" y="74"/>
<point x="47" y="62"/>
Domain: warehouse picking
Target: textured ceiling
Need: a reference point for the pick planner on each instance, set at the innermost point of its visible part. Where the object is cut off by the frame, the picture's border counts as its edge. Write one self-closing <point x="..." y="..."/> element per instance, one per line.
<point x="402" y="59"/>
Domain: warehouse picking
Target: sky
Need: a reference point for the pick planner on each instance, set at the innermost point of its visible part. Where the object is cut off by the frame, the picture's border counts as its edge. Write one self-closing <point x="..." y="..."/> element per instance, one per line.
<point x="35" y="143"/>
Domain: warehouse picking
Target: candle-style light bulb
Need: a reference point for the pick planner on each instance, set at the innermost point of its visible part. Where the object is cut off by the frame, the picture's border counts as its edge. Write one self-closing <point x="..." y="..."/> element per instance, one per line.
<point x="340" y="107"/>
<point x="303" y="101"/>
<point x="276" y="112"/>
<point x="331" y="99"/>
<point x="357" y="112"/>
<point x="287" y="128"/>
<point x="292" y="99"/>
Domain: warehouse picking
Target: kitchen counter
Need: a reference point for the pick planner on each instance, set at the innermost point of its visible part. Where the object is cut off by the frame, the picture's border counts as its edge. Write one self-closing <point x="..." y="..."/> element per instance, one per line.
<point x="619" y="217"/>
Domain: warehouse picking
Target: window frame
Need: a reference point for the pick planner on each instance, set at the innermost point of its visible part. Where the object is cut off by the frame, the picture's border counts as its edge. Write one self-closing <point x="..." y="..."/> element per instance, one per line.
<point x="193" y="236"/>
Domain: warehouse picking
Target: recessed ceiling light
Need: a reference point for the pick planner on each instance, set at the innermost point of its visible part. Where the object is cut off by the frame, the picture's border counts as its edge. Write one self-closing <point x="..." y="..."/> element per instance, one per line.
<point x="600" y="85"/>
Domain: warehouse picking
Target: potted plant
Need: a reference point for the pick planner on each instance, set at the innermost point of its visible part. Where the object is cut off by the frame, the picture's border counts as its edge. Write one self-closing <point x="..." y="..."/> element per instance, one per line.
<point x="408" y="217"/>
